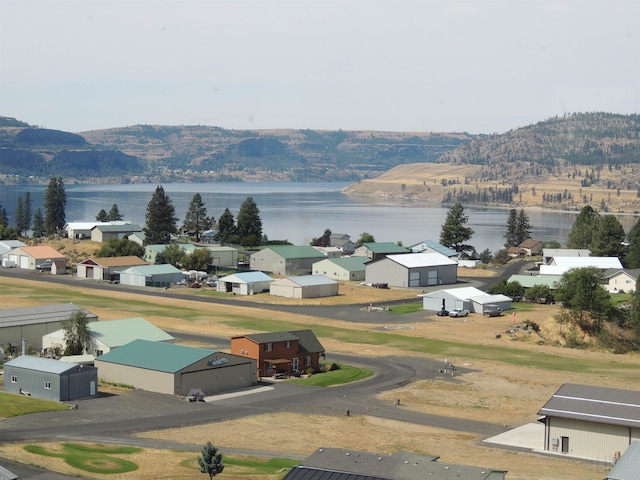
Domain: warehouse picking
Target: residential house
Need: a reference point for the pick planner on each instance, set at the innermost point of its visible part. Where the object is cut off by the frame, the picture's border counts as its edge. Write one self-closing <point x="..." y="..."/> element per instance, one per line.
<point x="591" y="422"/>
<point x="621" y="281"/>
<point x="245" y="283"/>
<point x="106" y="268"/>
<point x="49" y="379"/>
<point x="108" y="335"/>
<point x="343" y="242"/>
<point x="103" y="233"/>
<point x="516" y="252"/>
<point x="137" y="237"/>
<point x="346" y="464"/>
<point x="304" y="286"/>
<point x="285" y="260"/>
<point x="32" y="323"/>
<point x="374" y="251"/>
<point x="561" y="265"/>
<point x="280" y="352"/>
<point x="30" y="257"/>
<point x="343" y="269"/>
<point x="176" y="369"/>
<point x="532" y="247"/>
<point x="412" y="270"/>
<point x="467" y="298"/>
<point x="162" y="276"/>
<point x="209" y="237"/>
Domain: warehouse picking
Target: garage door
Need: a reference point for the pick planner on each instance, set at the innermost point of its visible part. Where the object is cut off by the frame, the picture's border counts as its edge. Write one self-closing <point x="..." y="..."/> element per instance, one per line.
<point x="432" y="277"/>
<point x="24" y="261"/>
<point x="414" y="279"/>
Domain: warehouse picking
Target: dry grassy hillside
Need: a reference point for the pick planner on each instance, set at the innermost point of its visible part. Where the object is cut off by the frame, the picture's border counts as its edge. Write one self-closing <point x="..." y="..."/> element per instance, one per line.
<point x="432" y="182"/>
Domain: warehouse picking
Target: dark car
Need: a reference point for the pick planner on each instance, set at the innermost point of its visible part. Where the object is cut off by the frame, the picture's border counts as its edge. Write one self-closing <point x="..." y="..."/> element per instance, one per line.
<point x="443" y="313"/>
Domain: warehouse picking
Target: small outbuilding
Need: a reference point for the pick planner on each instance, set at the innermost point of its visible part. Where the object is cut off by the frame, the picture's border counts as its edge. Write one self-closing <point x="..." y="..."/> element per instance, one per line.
<point x="245" y="283"/>
<point x="285" y="259"/>
<point x="343" y="269"/>
<point x="376" y="250"/>
<point x="106" y="268"/>
<point x="163" y="275"/>
<point x="102" y="233"/>
<point x="412" y="270"/>
<point x="176" y="369"/>
<point x="304" y="286"/>
<point x="50" y="379"/>
<point x="467" y="298"/>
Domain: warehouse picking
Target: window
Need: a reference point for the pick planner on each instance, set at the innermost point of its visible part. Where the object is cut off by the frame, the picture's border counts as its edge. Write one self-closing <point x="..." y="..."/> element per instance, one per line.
<point x="307" y="361"/>
<point x="47" y="385"/>
<point x="99" y="352"/>
<point x="287" y="344"/>
<point x="14" y="379"/>
<point x="268" y="347"/>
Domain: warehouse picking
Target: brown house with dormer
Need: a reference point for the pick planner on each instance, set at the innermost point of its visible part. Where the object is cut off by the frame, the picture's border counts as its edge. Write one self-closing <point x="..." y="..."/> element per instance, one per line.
<point x="287" y="353"/>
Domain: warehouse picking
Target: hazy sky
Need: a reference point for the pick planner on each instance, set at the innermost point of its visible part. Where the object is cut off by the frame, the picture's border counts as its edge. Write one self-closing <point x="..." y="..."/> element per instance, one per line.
<point x="426" y="65"/>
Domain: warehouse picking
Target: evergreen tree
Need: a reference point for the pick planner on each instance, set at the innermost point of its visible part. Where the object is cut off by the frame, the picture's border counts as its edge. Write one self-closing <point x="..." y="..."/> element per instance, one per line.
<point x="39" y="229"/>
<point x="365" y="237"/>
<point x="161" y="219"/>
<point x="210" y="461"/>
<point x="102" y="216"/>
<point x="323" y="241"/>
<point x="19" y="215"/>
<point x="196" y="220"/>
<point x="455" y="234"/>
<point x="608" y="238"/>
<point x="633" y="318"/>
<point x="4" y="220"/>
<point x="632" y="258"/>
<point x="580" y="291"/>
<point x="249" y="226"/>
<point x="226" y="228"/>
<point x="512" y="229"/>
<point x="114" y="214"/>
<point x="55" y="201"/>
<point x="523" y="227"/>
<point x="76" y="333"/>
<point x="586" y="223"/>
<point x="23" y="214"/>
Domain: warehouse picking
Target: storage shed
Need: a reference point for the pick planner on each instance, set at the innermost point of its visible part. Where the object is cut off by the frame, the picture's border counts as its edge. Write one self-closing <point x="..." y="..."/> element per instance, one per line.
<point x="50" y="379"/>
<point x="163" y="275"/>
<point x="176" y="369"/>
<point x="28" y="257"/>
<point x="304" y="286"/>
<point x="106" y="268"/>
<point x="468" y="298"/>
<point x="245" y="283"/>
<point x="285" y="260"/>
<point x="591" y="422"/>
<point x="344" y="269"/>
<point x="412" y="270"/>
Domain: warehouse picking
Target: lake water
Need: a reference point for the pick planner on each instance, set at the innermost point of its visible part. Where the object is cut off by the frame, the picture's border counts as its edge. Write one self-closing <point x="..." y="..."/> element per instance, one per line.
<point x="300" y="211"/>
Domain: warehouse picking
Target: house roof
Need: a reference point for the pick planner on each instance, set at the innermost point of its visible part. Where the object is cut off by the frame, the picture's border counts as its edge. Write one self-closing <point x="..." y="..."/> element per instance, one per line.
<point x="246" y="277"/>
<point x="486" y="299"/>
<point x="528" y="281"/>
<point x="606" y="405"/>
<point x="158" y="356"/>
<point x="308" y="280"/>
<point x="295" y="251"/>
<point x="530" y="243"/>
<point x="41" y="364"/>
<point x="149" y="270"/>
<point x="43" y="314"/>
<point x="115" y="333"/>
<point x="343" y="464"/>
<point x="565" y="252"/>
<point x="126" y="261"/>
<point x="351" y="264"/>
<point x="307" y="339"/>
<point x="462" y="293"/>
<point x="580" y="262"/>
<point x="424" y="259"/>
<point x="449" y="252"/>
<point x="126" y="228"/>
<point x="385" y="247"/>
<point x="628" y="467"/>
<point x="6" y="245"/>
<point x="41" y="251"/>
<point x="631" y="272"/>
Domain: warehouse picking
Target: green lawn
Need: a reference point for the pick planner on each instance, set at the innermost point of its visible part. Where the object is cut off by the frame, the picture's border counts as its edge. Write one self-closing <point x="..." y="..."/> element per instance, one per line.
<point x="95" y="459"/>
<point x="12" y="405"/>
<point x="346" y="374"/>
<point x="249" y="466"/>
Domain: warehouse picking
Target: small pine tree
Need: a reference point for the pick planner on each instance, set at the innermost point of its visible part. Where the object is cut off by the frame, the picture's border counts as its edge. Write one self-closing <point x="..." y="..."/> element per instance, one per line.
<point x="114" y="214"/>
<point x="38" y="224"/>
<point x="210" y="460"/>
<point x="161" y="219"/>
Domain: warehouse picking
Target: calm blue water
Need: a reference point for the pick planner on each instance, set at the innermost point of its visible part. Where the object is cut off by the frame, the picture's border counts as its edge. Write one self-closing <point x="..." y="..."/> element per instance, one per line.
<point x="300" y="211"/>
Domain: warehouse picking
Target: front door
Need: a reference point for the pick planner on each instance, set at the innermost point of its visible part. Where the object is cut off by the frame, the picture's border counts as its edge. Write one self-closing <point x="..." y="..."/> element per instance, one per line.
<point x="295" y="364"/>
<point x="565" y="444"/>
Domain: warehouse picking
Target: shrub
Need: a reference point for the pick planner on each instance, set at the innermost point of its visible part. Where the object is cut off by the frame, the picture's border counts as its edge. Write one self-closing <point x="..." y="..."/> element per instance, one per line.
<point x="334" y="366"/>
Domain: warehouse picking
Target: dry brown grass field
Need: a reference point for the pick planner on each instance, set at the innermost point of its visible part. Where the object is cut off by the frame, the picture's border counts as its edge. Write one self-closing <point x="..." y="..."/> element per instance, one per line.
<point x="494" y="391"/>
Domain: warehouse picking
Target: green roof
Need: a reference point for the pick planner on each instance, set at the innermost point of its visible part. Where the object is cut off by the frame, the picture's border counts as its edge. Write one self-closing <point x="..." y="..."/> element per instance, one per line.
<point x="385" y="247"/>
<point x="528" y="281"/>
<point x="115" y="333"/>
<point x="161" y="357"/>
<point x="351" y="264"/>
<point x="297" y="251"/>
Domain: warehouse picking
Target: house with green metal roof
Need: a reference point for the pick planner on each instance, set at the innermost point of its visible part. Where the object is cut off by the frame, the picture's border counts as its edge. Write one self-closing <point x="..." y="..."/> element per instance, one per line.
<point x="176" y="369"/>
<point x="376" y="250"/>
<point x="343" y="269"/>
<point x="285" y="259"/>
<point x="106" y="336"/>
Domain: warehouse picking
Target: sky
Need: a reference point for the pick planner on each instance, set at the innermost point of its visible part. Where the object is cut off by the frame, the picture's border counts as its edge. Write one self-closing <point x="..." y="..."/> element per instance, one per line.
<point x="476" y="66"/>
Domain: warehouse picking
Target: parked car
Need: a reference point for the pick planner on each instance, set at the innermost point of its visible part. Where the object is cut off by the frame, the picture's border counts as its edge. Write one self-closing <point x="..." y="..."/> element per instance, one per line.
<point x="443" y="313"/>
<point x="458" y="312"/>
<point x="492" y="310"/>
<point x="46" y="265"/>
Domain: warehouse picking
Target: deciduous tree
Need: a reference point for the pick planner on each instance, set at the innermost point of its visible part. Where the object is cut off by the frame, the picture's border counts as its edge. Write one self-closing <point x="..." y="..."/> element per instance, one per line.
<point x="161" y="219"/>
<point x="365" y="237"/>
<point x="120" y="247"/>
<point x="580" y="291"/>
<point x="76" y="333"/>
<point x="455" y="234"/>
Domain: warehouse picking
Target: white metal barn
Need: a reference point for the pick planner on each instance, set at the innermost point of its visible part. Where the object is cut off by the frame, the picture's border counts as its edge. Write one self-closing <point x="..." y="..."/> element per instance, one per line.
<point x="304" y="286"/>
<point x="596" y="423"/>
<point x="245" y="283"/>
<point x="151" y="275"/>
<point x="468" y="298"/>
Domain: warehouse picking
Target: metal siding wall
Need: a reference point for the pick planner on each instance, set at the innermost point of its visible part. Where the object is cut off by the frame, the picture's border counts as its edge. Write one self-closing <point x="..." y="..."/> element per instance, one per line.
<point x="150" y="380"/>
<point x="80" y="382"/>
<point x="221" y="379"/>
<point x="33" y="382"/>
<point x="590" y="440"/>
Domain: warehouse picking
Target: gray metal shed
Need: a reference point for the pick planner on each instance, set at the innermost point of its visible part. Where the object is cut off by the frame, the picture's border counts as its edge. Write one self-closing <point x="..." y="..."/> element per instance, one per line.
<point x="50" y="379"/>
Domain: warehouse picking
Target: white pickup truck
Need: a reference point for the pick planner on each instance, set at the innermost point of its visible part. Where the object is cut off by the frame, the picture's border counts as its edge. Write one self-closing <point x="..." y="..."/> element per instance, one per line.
<point x="458" y="312"/>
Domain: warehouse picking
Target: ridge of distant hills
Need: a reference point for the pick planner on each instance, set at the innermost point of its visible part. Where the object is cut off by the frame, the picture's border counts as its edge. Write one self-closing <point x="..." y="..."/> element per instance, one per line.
<point x="600" y="150"/>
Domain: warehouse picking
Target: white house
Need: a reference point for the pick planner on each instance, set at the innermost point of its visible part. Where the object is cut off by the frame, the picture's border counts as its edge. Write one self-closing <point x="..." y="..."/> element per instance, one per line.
<point x="619" y="281"/>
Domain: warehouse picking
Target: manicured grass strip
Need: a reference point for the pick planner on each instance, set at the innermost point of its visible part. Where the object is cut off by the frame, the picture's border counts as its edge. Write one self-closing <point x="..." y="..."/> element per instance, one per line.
<point x="346" y="374"/>
<point x="12" y="405"/>
<point x="249" y="466"/>
<point x="406" y="308"/>
<point x="91" y="458"/>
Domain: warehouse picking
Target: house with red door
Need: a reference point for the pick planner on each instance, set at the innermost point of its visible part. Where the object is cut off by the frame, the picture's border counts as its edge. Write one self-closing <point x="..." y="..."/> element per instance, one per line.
<point x="280" y="353"/>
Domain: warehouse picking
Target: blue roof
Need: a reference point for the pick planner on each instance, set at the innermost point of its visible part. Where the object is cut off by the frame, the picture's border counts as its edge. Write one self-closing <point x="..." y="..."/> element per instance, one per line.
<point x="39" y="364"/>
<point x="161" y="357"/>
<point x="309" y="280"/>
<point x="449" y="252"/>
